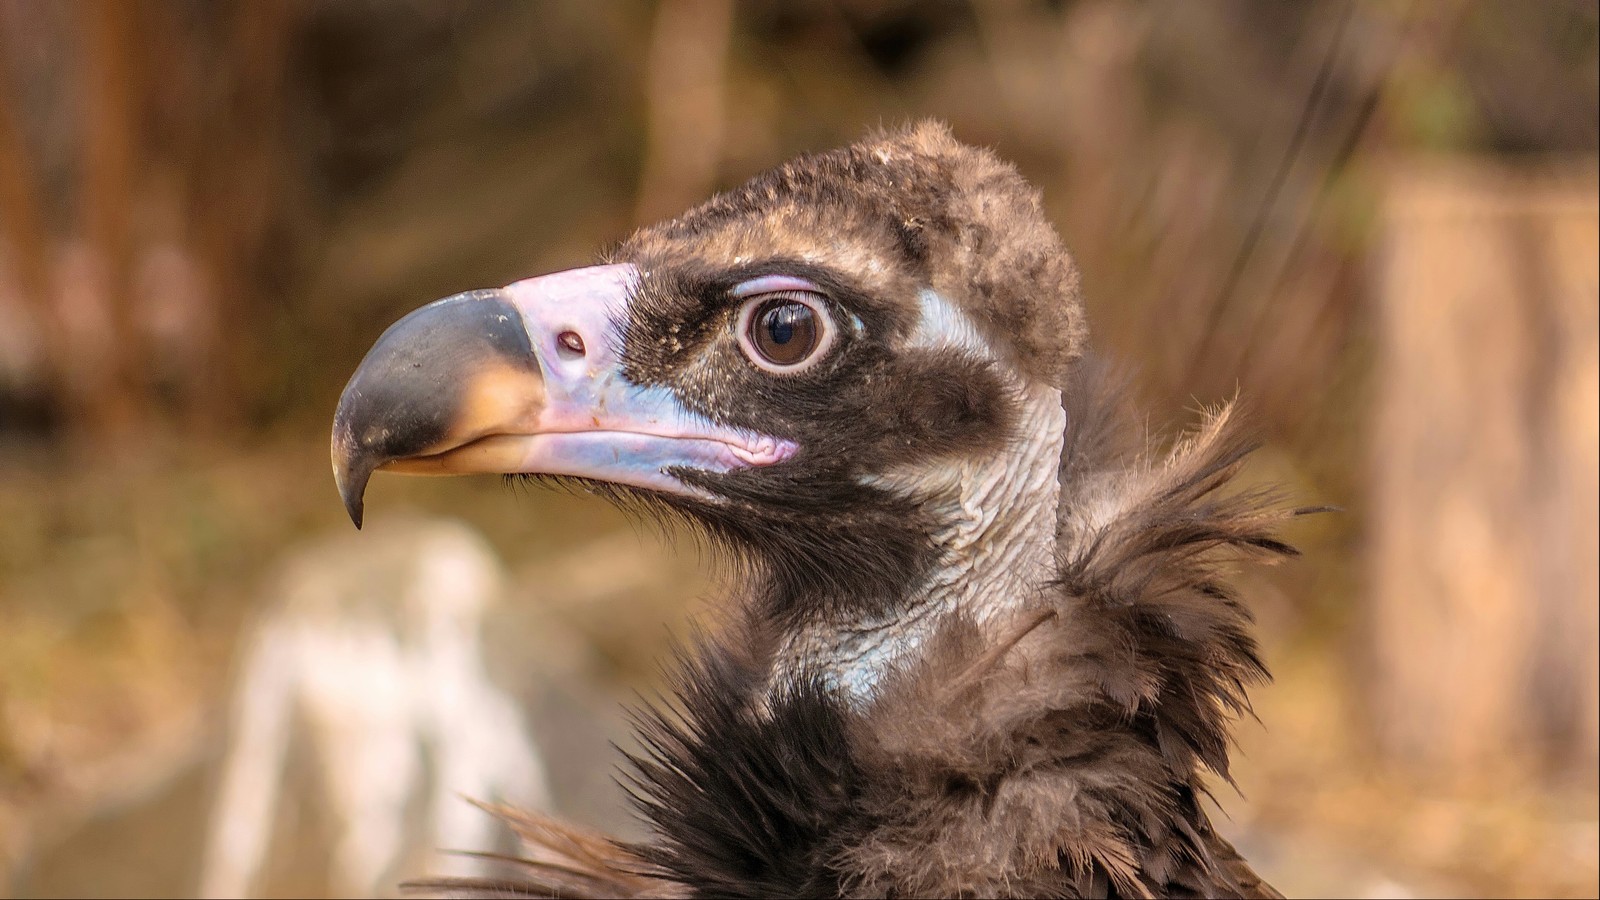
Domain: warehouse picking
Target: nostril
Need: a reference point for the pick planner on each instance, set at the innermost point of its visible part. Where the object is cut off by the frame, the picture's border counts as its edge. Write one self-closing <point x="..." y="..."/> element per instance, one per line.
<point x="570" y="343"/>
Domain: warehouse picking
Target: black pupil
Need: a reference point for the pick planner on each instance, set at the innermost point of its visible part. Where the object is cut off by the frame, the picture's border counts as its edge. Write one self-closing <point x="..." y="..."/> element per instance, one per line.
<point x="785" y="332"/>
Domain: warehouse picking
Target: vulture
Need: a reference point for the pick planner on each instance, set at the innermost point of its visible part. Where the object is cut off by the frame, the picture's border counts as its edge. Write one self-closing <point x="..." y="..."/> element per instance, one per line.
<point x="984" y="641"/>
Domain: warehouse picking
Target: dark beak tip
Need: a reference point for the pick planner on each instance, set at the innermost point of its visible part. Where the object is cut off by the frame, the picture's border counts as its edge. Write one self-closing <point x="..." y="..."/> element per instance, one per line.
<point x="407" y="394"/>
<point x="351" y="490"/>
<point x="352" y="470"/>
<point x="353" y="505"/>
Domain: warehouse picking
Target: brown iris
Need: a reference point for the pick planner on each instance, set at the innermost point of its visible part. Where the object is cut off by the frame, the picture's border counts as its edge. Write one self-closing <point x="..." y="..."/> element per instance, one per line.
<point x="785" y="332"/>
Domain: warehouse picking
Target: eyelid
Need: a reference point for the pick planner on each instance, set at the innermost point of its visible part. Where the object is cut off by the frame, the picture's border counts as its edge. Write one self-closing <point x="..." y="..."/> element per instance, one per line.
<point x="771" y="284"/>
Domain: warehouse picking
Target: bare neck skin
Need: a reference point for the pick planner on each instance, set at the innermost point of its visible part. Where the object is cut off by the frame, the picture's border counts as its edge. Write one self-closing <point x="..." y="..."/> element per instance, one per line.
<point x="996" y="548"/>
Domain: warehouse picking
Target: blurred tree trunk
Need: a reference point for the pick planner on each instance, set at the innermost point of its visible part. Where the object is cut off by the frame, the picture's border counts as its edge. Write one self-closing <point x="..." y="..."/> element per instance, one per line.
<point x="112" y="90"/>
<point x="685" y="97"/>
<point x="1485" y="602"/>
<point x="23" y="229"/>
<point x="233" y="195"/>
<point x="140" y="276"/>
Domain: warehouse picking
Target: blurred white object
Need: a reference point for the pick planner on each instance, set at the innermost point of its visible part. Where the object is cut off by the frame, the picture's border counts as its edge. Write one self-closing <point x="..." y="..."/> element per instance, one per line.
<point x="371" y="646"/>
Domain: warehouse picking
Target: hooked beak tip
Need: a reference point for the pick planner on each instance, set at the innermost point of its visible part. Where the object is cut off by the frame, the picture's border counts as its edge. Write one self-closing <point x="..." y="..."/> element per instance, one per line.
<point x="350" y="475"/>
<point x="417" y="391"/>
<point x="353" y="505"/>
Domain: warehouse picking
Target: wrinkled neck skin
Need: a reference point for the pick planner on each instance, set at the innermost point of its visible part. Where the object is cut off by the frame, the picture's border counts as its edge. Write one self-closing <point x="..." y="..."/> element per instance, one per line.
<point x="995" y="550"/>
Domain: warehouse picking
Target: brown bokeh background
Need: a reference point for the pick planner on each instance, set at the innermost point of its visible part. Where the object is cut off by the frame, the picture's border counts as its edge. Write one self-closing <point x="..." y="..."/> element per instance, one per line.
<point x="1373" y="221"/>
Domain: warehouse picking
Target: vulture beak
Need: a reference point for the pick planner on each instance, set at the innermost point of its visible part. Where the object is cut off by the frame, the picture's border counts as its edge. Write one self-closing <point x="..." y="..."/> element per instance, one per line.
<point x="525" y="379"/>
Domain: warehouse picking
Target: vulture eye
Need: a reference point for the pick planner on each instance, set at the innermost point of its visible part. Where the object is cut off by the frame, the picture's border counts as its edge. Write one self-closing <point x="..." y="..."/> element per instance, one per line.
<point x="785" y="332"/>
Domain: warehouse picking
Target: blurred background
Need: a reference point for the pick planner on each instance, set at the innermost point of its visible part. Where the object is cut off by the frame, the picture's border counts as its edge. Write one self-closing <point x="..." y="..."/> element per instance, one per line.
<point x="1375" y="221"/>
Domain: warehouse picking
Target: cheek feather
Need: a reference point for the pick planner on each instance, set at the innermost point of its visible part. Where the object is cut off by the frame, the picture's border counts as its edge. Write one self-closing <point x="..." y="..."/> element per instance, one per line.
<point x="958" y="405"/>
<point x="941" y="325"/>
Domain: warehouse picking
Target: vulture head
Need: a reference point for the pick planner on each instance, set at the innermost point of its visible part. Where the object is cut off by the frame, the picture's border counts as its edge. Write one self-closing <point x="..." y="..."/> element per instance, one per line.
<point x="983" y="644"/>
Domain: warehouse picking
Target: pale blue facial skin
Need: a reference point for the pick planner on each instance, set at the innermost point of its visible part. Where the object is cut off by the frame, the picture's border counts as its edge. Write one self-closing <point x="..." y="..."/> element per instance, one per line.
<point x="595" y="423"/>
